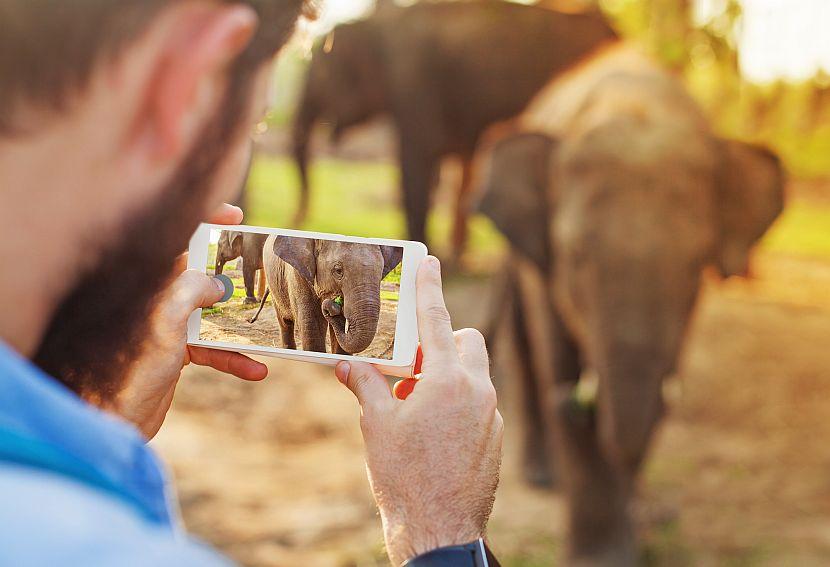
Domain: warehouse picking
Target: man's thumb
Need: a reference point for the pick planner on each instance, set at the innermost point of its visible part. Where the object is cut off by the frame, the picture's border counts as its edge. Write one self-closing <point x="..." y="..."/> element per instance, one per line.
<point x="367" y="384"/>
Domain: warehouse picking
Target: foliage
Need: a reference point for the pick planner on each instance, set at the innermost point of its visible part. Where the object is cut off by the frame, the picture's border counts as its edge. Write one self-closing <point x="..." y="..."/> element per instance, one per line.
<point x="793" y="118"/>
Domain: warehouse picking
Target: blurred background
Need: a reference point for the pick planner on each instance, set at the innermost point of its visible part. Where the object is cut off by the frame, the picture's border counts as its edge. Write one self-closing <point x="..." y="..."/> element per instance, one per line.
<point x="739" y="473"/>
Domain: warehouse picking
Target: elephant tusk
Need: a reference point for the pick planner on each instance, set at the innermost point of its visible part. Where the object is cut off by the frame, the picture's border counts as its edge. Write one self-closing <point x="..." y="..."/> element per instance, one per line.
<point x="346" y="328"/>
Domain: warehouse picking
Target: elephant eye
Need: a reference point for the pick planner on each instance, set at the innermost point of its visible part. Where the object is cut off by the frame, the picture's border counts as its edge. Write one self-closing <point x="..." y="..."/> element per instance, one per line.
<point x="338" y="270"/>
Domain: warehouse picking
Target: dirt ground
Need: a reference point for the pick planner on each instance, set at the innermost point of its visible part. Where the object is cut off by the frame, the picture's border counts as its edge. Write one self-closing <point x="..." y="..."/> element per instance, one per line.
<point x="230" y="323"/>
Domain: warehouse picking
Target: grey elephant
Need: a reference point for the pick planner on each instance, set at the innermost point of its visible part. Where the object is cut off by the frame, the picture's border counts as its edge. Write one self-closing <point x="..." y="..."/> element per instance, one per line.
<point x="233" y="244"/>
<point x="326" y="285"/>
<point x="444" y="72"/>
<point x="613" y="207"/>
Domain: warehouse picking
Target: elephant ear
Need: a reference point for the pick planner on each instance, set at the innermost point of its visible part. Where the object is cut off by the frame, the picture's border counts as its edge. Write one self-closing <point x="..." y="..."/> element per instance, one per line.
<point x="750" y="196"/>
<point x="515" y="195"/>
<point x="392" y="256"/>
<point x="235" y="238"/>
<point x="299" y="253"/>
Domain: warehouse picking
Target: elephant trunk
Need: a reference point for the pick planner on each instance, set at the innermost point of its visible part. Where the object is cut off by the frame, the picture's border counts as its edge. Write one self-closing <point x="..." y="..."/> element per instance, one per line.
<point x="362" y="314"/>
<point x="307" y="114"/>
<point x="630" y="404"/>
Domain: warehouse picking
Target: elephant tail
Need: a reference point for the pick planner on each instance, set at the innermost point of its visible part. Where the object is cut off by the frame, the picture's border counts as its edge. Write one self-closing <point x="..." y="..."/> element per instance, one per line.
<point x="261" y="305"/>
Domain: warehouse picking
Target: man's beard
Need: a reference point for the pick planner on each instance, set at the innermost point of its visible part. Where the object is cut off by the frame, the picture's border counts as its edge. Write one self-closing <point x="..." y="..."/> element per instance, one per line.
<point x="97" y="331"/>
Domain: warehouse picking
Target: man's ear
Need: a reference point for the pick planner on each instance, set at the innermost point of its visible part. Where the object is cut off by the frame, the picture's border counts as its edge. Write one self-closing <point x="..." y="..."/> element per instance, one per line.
<point x="189" y="75"/>
<point x="299" y="253"/>
<point x="515" y="194"/>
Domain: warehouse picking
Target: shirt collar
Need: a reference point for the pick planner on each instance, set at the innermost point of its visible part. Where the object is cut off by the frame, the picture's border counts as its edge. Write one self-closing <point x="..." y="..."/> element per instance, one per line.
<point x="36" y="406"/>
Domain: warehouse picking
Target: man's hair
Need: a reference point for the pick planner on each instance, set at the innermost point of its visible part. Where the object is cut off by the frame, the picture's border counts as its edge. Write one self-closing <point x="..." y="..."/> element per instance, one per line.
<point x="49" y="48"/>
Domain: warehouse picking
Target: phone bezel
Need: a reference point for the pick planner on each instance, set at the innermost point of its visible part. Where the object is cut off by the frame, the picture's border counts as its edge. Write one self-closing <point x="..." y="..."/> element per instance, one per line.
<point x="406" y="326"/>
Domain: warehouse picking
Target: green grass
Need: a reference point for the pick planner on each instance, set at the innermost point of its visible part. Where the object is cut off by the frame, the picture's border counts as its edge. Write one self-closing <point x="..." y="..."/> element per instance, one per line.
<point x="348" y="197"/>
<point x="389" y="295"/>
<point x="665" y="545"/>
<point x="395" y="275"/>
<point x="537" y="551"/>
<point x="354" y="198"/>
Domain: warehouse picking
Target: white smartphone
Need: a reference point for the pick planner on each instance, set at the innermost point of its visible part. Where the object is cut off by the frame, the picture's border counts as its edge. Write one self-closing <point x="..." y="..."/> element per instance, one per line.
<point x="309" y="296"/>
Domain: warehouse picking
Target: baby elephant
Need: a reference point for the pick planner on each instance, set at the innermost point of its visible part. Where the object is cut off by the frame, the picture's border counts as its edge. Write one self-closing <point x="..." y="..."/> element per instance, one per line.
<point x="307" y="276"/>
<point x="233" y="244"/>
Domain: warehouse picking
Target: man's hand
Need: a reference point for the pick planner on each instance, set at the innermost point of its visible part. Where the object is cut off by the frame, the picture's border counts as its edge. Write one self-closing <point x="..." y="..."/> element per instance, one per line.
<point x="433" y="459"/>
<point x="149" y="391"/>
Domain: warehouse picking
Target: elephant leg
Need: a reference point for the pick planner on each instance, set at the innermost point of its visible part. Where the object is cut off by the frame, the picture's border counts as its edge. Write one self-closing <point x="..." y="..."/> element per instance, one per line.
<point x="263" y="284"/>
<point x="249" y="275"/>
<point x="548" y="357"/>
<point x="287" y="334"/>
<point x="418" y="174"/>
<point x="536" y="462"/>
<point x="506" y="315"/>
<point x="502" y="296"/>
<point x="462" y="209"/>
<point x="312" y="331"/>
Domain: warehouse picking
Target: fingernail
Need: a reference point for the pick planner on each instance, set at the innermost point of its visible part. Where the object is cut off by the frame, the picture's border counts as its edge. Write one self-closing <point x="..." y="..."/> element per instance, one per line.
<point x="434" y="264"/>
<point x="224" y="284"/>
<point x="342" y="372"/>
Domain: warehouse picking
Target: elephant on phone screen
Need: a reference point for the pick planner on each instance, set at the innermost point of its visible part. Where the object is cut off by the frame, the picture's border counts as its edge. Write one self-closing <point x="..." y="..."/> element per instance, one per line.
<point x="444" y="72"/>
<point x="233" y="244"/>
<point x="612" y="213"/>
<point x="326" y="285"/>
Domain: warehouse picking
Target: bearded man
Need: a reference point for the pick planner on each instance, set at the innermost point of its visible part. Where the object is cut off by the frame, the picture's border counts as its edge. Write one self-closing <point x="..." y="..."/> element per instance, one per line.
<point x="123" y="124"/>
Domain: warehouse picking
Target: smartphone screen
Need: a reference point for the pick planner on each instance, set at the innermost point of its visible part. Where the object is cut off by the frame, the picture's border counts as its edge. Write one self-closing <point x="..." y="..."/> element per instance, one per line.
<point x="316" y="295"/>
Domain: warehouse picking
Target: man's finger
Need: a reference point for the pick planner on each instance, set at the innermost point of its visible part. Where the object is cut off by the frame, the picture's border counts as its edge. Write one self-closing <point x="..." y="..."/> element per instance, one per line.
<point x="181" y="263"/>
<point x="226" y="214"/>
<point x="367" y="384"/>
<point x="434" y="326"/>
<point x="191" y="290"/>
<point x="233" y="363"/>
<point x="472" y="351"/>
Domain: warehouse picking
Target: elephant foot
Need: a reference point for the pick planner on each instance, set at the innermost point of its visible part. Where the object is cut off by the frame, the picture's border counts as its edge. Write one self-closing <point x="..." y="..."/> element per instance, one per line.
<point x="622" y="555"/>
<point x="655" y="515"/>
<point x="250" y="301"/>
<point x="615" y="549"/>
<point x="537" y="470"/>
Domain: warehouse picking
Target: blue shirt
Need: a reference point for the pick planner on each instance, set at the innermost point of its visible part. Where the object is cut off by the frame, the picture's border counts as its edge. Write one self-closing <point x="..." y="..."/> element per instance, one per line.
<point x="79" y="486"/>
